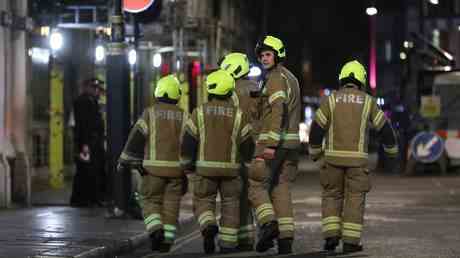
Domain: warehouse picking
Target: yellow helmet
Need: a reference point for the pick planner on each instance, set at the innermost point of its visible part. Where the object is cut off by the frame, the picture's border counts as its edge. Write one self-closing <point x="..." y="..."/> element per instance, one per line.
<point x="353" y="72"/>
<point x="237" y="64"/>
<point x="271" y="43"/>
<point x="169" y="87"/>
<point x="220" y="83"/>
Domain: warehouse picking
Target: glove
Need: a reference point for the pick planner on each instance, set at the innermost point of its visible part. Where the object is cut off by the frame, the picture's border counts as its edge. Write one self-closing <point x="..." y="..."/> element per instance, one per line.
<point x="184" y="184"/>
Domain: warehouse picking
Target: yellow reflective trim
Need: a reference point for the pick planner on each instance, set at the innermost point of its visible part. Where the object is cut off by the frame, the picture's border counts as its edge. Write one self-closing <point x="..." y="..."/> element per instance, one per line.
<point x="351" y="233"/>
<point x="364" y="121"/>
<point x="391" y="150"/>
<point x="152" y="134"/>
<point x="286" y="220"/>
<point x="235" y="99"/>
<point x="263" y="207"/>
<point x="314" y="151"/>
<point x="190" y="125"/>
<point x="169" y="227"/>
<point x="217" y="164"/>
<point x="229" y="231"/>
<point x="228" y="238"/>
<point x="330" y="227"/>
<point x="161" y="163"/>
<point x="170" y="235"/>
<point x="127" y="157"/>
<point x="236" y="129"/>
<point x="205" y="217"/>
<point x="321" y="118"/>
<point x="247" y="228"/>
<point x="352" y="226"/>
<point x="347" y="154"/>
<point x="379" y="120"/>
<point x="246" y="130"/>
<point x="290" y="136"/>
<point x="331" y="102"/>
<point x="276" y="95"/>
<point x="331" y="219"/>
<point x="270" y="135"/>
<point x="286" y="227"/>
<point x="142" y="125"/>
<point x="202" y="132"/>
<point x="264" y="214"/>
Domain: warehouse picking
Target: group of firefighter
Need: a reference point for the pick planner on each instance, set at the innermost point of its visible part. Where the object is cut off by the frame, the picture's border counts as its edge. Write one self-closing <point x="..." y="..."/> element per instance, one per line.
<point x="243" y="144"/>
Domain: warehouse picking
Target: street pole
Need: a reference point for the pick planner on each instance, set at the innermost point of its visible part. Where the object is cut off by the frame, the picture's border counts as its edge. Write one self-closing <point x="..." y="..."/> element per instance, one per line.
<point x="118" y="112"/>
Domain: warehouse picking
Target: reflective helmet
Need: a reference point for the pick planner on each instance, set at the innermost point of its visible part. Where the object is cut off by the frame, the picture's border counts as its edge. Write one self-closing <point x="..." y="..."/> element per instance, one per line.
<point x="220" y="83"/>
<point x="353" y="72"/>
<point x="273" y="44"/>
<point x="169" y="87"/>
<point x="237" y="64"/>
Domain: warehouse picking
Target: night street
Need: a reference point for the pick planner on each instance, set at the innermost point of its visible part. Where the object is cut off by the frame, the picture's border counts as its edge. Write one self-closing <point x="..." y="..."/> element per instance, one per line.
<point x="406" y="217"/>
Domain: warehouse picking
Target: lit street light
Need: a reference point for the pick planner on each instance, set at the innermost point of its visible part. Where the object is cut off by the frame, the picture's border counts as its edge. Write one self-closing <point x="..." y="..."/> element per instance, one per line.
<point x="132" y="57"/>
<point x="157" y="60"/>
<point x="435" y="2"/>
<point x="255" y="71"/>
<point x="371" y="10"/>
<point x="56" y="40"/>
<point x="99" y="53"/>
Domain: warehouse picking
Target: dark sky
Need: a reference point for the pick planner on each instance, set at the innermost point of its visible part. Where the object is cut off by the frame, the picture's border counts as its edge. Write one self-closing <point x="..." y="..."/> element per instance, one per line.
<point x="326" y="32"/>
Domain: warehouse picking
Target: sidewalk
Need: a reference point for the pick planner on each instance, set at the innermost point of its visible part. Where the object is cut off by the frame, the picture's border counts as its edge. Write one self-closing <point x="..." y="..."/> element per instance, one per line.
<point x="63" y="231"/>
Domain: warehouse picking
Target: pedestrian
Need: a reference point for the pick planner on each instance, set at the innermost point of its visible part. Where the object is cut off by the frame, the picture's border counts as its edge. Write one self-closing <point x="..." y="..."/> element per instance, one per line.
<point x="274" y="167"/>
<point x="237" y="64"/>
<point x="217" y="138"/>
<point x="89" y="181"/>
<point x="344" y="119"/>
<point x="153" y="148"/>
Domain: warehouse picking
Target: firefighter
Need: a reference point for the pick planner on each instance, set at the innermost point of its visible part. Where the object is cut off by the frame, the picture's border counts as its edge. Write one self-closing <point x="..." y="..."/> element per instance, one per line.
<point x="217" y="137"/>
<point x="344" y="118"/>
<point x="237" y="64"/>
<point x="274" y="167"/>
<point x="153" y="146"/>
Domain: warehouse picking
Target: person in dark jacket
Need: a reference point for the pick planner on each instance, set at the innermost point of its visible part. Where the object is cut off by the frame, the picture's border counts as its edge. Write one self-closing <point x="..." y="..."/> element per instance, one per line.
<point x="89" y="181"/>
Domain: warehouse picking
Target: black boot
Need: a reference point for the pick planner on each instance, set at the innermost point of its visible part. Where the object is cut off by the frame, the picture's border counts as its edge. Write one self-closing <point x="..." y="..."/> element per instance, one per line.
<point x="165" y="247"/>
<point x="226" y="250"/>
<point x="331" y="243"/>
<point x="285" y="246"/>
<point x="269" y="231"/>
<point x="156" y="239"/>
<point x="245" y="247"/>
<point x="209" y="233"/>
<point x="351" y="248"/>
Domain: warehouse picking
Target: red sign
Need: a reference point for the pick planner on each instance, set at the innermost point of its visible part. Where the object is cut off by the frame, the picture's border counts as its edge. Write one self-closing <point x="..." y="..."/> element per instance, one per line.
<point x="136" y="6"/>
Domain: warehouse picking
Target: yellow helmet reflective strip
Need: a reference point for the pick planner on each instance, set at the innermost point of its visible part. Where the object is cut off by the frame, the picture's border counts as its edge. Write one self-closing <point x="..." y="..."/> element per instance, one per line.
<point x="276" y="95"/>
<point x="206" y="217"/>
<point x="364" y="123"/>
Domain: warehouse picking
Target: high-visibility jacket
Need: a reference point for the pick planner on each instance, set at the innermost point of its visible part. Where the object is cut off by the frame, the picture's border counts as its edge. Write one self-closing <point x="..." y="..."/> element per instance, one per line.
<point x="217" y="135"/>
<point x="280" y="110"/>
<point x="344" y="118"/>
<point x="154" y="141"/>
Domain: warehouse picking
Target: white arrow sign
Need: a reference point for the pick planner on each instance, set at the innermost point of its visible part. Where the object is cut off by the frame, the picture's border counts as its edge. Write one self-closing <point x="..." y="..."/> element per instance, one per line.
<point x="423" y="150"/>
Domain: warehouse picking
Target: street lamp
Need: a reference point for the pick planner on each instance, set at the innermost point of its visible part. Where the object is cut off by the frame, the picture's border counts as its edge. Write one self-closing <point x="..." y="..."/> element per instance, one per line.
<point x="56" y="40"/>
<point x="157" y="60"/>
<point x="99" y="53"/>
<point x="435" y="2"/>
<point x="132" y="57"/>
<point x="255" y="71"/>
<point x="372" y="10"/>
